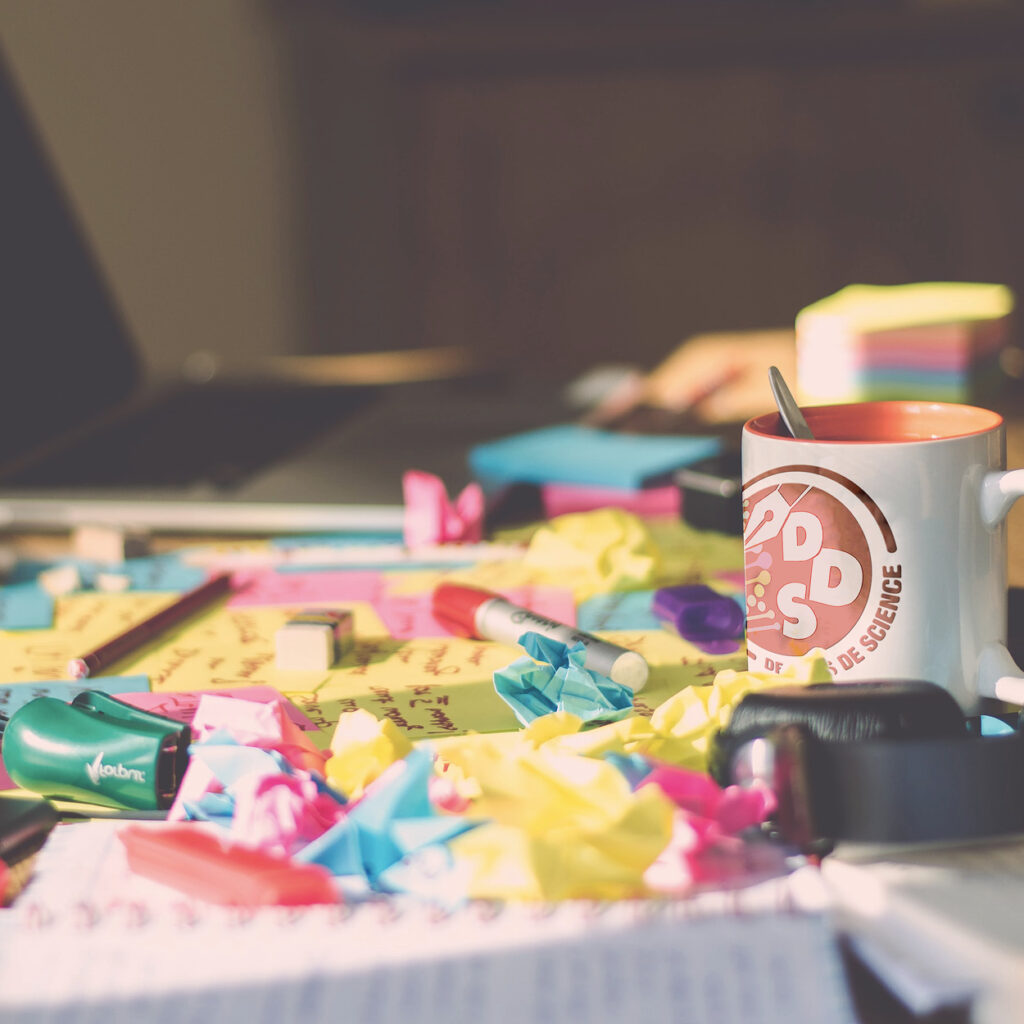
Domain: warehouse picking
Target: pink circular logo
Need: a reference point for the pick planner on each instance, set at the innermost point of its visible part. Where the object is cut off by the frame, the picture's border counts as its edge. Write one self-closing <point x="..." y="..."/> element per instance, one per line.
<point x="808" y="566"/>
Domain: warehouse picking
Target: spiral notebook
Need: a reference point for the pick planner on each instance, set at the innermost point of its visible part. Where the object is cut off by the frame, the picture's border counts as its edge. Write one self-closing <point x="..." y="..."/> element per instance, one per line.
<point x="88" y="942"/>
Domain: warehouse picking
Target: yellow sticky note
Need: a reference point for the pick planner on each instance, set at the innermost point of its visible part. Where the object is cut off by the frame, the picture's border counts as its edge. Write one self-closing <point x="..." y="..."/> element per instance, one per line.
<point x="864" y="307"/>
<point x="232" y="647"/>
<point x="81" y="623"/>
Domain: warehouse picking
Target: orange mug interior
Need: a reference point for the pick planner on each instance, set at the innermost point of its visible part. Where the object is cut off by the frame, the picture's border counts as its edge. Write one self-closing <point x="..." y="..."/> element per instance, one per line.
<point x="883" y="422"/>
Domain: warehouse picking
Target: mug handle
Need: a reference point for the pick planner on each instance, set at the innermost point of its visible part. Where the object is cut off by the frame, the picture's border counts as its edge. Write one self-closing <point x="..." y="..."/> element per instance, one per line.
<point x="999" y="490"/>
<point x="998" y="674"/>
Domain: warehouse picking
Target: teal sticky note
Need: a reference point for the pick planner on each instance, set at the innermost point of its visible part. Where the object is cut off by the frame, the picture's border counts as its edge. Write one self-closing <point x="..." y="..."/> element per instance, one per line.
<point x="161" y="573"/>
<point x="16" y="695"/>
<point x="622" y="609"/>
<point x="340" y="540"/>
<point x="25" y="606"/>
<point x="155" y="572"/>
<point x="575" y="454"/>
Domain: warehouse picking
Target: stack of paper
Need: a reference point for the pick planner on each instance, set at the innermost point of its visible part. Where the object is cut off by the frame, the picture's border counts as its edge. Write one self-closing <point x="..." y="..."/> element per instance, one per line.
<point x="579" y="468"/>
<point x="931" y="341"/>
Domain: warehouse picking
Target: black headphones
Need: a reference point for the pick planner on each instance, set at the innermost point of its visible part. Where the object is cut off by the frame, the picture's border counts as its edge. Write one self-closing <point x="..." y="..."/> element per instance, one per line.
<point x="892" y="762"/>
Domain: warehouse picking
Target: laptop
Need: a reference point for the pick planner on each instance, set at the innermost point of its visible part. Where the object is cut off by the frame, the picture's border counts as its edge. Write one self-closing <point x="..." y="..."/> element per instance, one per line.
<point x="87" y="436"/>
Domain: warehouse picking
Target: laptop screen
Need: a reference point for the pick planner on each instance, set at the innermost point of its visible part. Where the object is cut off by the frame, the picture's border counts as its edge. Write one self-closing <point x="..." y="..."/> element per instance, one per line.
<point x="66" y="353"/>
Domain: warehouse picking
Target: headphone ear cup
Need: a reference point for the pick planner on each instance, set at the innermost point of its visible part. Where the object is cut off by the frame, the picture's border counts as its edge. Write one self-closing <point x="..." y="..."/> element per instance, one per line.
<point x="839" y="713"/>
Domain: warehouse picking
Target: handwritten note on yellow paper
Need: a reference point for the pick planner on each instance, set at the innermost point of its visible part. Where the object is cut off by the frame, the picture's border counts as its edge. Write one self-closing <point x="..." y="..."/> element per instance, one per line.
<point x="443" y="686"/>
<point x="428" y="687"/>
<point x="80" y="623"/>
<point x="233" y="647"/>
<point x="436" y="686"/>
<point x="674" y="662"/>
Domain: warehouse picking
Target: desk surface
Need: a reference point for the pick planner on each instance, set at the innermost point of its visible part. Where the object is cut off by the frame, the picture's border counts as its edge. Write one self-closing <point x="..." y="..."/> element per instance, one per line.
<point x="873" y="1003"/>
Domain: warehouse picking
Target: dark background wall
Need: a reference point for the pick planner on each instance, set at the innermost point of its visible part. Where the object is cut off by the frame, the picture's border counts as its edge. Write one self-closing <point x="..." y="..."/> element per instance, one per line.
<point x="553" y="185"/>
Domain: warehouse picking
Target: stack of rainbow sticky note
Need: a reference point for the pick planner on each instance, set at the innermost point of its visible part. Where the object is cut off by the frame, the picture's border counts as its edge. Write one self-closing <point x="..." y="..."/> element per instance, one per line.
<point x="933" y="341"/>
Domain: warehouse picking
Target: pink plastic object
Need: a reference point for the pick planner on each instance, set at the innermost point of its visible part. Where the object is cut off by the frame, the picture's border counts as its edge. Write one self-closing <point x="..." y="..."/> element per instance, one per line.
<point x="206" y="867"/>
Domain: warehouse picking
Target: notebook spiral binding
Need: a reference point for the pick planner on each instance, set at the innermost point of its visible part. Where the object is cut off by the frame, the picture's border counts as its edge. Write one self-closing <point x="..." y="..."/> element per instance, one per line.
<point x="135" y="915"/>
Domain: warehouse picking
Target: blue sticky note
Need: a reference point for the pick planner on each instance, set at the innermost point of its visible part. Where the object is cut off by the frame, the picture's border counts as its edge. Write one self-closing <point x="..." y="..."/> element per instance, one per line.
<point x="340" y="540"/>
<point x="27" y="569"/>
<point x="573" y="454"/>
<point x="25" y="606"/>
<point x="161" y="572"/>
<point x="155" y="572"/>
<point x="15" y="695"/>
<point x="624" y="609"/>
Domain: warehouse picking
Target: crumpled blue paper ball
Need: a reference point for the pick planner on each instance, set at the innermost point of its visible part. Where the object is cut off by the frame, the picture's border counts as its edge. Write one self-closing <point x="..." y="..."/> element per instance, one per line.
<point x="553" y="679"/>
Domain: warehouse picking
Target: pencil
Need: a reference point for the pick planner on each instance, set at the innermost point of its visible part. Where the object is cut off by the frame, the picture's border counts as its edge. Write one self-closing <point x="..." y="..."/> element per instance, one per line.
<point x="113" y="650"/>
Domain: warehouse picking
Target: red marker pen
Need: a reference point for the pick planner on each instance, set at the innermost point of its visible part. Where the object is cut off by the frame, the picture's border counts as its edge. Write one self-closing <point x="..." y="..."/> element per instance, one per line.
<point x="469" y="611"/>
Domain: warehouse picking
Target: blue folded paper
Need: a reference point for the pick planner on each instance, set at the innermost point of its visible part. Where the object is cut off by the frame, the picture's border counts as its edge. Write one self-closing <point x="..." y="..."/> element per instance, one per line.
<point x="553" y="679"/>
<point x="395" y="818"/>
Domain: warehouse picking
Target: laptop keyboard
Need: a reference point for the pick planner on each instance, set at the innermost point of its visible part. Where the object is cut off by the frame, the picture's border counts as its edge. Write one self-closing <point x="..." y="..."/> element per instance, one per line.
<point x="215" y="435"/>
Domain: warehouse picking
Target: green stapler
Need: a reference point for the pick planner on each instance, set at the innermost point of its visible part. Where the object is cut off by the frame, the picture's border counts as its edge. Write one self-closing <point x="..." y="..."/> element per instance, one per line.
<point x="97" y="749"/>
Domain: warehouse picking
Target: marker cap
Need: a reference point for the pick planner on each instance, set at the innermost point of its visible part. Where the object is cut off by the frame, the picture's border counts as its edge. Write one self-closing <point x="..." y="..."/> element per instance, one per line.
<point x="698" y="613"/>
<point x="455" y="607"/>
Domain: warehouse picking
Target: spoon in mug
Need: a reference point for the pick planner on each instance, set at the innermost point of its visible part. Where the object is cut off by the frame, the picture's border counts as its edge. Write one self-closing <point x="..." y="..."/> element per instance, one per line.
<point x="790" y="412"/>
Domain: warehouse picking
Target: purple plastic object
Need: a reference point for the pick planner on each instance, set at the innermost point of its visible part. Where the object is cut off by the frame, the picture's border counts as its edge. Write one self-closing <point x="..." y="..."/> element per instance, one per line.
<point x="697" y="613"/>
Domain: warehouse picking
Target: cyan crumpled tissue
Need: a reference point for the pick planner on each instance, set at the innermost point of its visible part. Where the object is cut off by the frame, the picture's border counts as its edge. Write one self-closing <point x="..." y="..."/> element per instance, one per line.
<point x="553" y="679"/>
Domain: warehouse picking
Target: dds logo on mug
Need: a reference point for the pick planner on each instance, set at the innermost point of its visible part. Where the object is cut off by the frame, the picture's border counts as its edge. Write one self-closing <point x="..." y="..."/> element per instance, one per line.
<point x="820" y="569"/>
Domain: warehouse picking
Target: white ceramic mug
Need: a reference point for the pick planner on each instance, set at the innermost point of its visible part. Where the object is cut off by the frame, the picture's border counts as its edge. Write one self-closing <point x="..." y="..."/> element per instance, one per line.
<point x="883" y="541"/>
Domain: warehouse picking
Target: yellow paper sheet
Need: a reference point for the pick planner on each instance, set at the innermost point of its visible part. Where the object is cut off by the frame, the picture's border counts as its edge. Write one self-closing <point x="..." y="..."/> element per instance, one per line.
<point x="81" y="622"/>
<point x="428" y="687"/>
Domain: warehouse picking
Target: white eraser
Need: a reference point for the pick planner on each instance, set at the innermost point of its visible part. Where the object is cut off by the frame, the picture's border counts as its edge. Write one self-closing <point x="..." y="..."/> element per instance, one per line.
<point x="109" y="544"/>
<point x="313" y="641"/>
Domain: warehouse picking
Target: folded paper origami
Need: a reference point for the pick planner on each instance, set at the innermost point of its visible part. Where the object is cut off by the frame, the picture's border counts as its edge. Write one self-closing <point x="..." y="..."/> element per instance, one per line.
<point x="432" y="518"/>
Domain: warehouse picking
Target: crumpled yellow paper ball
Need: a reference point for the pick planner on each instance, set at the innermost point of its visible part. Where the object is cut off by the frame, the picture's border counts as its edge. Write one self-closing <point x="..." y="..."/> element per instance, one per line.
<point x="361" y="748"/>
<point x="679" y="731"/>
<point x="595" y="552"/>
<point x="559" y="826"/>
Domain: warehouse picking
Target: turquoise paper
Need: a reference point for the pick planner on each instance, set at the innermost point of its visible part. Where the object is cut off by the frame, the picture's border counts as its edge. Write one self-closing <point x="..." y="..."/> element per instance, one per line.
<point x="574" y="454"/>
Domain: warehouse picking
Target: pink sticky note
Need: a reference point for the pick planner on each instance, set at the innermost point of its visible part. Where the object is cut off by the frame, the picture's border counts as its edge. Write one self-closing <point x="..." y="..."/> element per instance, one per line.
<point x="181" y="706"/>
<point x="267" y="587"/>
<point x="408" y="615"/>
<point x="649" y="502"/>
